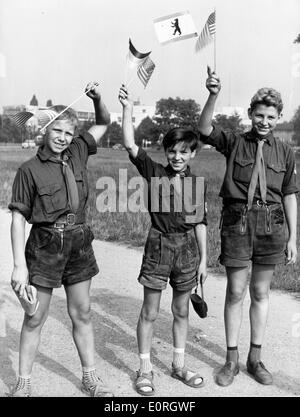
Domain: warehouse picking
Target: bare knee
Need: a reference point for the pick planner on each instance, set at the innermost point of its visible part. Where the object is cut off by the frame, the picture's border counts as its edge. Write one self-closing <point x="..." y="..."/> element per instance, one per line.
<point x="148" y="314"/>
<point x="35" y="322"/>
<point x="258" y="294"/>
<point x="80" y="314"/>
<point x="234" y="295"/>
<point x="180" y="312"/>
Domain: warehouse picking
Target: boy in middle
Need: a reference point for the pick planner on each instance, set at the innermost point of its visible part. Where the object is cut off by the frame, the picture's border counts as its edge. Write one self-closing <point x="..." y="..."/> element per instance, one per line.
<point x="175" y="248"/>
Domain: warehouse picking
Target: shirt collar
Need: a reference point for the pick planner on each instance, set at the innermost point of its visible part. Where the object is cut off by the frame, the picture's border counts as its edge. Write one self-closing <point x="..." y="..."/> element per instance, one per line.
<point x="44" y="154"/>
<point x="171" y="173"/>
<point x="253" y="136"/>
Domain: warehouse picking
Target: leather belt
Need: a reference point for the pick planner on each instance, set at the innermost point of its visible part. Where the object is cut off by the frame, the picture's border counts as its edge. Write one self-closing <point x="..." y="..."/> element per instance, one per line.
<point x="260" y="203"/>
<point x="65" y="220"/>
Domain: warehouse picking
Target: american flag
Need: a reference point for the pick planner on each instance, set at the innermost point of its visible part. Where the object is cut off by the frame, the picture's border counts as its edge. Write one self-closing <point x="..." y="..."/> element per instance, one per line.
<point x="208" y="31"/>
<point x="134" y="57"/>
<point x="21" y="118"/>
<point x="145" y="70"/>
<point x="44" y="116"/>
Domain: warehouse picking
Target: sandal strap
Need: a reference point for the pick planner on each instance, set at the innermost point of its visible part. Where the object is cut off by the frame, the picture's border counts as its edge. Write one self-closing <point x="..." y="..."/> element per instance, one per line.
<point x="98" y="388"/>
<point x="185" y="370"/>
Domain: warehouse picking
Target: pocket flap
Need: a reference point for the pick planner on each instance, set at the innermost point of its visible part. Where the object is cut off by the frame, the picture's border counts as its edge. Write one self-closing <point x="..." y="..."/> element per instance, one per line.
<point x="49" y="189"/>
<point x="244" y="162"/>
<point x="276" y="167"/>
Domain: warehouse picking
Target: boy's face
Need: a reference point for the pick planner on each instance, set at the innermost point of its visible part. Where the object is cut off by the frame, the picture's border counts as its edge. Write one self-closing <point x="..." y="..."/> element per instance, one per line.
<point x="58" y="136"/>
<point x="264" y="119"/>
<point x="179" y="156"/>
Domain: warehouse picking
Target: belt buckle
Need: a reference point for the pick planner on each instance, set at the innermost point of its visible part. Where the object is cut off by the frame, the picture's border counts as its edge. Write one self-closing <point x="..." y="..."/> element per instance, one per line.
<point x="260" y="203"/>
<point x="70" y="219"/>
<point x="59" y="226"/>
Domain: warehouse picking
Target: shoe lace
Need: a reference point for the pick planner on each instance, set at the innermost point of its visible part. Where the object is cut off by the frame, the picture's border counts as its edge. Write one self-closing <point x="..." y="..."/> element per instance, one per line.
<point x="228" y="367"/>
<point x="262" y="365"/>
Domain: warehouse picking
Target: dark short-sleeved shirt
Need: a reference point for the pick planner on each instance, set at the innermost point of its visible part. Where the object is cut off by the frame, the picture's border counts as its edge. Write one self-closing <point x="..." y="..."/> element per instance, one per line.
<point x="166" y="215"/>
<point x="240" y="152"/>
<point x="39" y="190"/>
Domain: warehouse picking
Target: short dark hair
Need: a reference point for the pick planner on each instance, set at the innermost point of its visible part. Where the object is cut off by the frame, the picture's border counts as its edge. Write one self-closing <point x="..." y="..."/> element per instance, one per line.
<point x="178" y="134"/>
<point x="268" y="97"/>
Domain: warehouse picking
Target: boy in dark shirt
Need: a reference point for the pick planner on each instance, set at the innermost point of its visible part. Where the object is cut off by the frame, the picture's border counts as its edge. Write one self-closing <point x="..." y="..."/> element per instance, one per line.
<point x="50" y="191"/>
<point x="176" y="243"/>
<point x="258" y="189"/>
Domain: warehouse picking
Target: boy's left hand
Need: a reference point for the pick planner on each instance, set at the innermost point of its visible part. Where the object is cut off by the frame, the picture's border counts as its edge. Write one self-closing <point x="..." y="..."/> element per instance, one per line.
<point x="202" y="273"/>
<point x="93" y="90"/>
<point x="291" y="252"/>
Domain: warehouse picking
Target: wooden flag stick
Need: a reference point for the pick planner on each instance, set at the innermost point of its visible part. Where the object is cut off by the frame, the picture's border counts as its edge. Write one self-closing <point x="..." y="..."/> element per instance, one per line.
<point x="215" y="43"/>
<point x="70" y="105"/>
<point x="130" y="81"/>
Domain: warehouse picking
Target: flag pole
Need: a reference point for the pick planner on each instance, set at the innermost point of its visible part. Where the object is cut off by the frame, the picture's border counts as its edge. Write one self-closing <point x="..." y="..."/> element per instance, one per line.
<point x="70" y="105"/>
<point x="215" y="43"/>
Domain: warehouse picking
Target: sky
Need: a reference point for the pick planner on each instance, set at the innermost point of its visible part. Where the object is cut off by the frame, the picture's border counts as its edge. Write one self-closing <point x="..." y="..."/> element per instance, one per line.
<point x="53" y="48"/>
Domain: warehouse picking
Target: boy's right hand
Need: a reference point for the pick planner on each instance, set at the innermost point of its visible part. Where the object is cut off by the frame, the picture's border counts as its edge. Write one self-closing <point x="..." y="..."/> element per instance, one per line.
<point x="125" y="97"/>
<point x="213" y="83"/>
<point x="19" y="278"/>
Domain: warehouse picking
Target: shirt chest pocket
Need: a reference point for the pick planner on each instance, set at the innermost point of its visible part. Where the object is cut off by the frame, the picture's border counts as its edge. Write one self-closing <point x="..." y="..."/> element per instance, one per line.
<point x="242" y="170"/>
<point x="275" y="175"/>
<point x="53" y="197"/>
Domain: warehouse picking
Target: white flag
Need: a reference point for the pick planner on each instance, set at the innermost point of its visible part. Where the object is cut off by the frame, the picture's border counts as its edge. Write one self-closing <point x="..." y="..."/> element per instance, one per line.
<point x="175" y="27"/>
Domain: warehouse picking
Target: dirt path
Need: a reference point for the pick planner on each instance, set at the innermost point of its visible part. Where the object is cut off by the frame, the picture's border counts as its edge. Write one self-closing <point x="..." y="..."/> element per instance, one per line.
<point x="116" y="301"/>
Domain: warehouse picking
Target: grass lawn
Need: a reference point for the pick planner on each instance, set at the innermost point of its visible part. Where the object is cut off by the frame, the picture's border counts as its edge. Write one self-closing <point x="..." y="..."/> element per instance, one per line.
<point x="132" y="228"/>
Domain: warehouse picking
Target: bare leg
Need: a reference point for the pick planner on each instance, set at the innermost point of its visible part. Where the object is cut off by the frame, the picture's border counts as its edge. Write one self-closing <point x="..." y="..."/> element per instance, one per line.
<point x="235" y="294"/>
<point x="31" y="332"/>
<point x="148" y="315"/>
<point x="259" y="293"/>
<point x="180" y="310"/>
<point x="78" y="299"/>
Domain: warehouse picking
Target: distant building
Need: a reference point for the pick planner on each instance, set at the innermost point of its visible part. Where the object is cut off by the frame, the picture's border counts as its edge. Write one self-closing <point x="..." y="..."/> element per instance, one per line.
<point x="33" y="101"/>
<point x="140" y="112"/>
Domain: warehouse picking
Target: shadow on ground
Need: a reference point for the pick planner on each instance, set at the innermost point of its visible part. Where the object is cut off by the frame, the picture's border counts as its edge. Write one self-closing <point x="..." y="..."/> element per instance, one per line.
<point x="119" y="313"/>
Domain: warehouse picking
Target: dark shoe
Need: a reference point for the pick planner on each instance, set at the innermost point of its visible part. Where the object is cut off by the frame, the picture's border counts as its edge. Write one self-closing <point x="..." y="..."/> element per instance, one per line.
<point x="227" y="373"/>
<point x="260" y="373"/>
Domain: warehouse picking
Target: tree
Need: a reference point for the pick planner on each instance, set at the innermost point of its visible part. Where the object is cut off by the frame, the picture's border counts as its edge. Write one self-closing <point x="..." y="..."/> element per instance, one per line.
<point x="148" y="130"/>
<point x="229" y="123"/>
<point x="49" y="103"/>
<point x="112" y="136"/>
<point x="176" y="112"/>
<point x="296" y="123"/>
<point x="9" y="132"/>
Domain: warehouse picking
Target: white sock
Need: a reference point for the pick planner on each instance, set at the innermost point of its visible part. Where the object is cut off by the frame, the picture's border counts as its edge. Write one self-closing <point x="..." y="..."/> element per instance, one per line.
<point x="89" y="374"/>
<point x="23" y="381"/>
<point x="178" y="357"/>
<point x="145" y="363"/>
